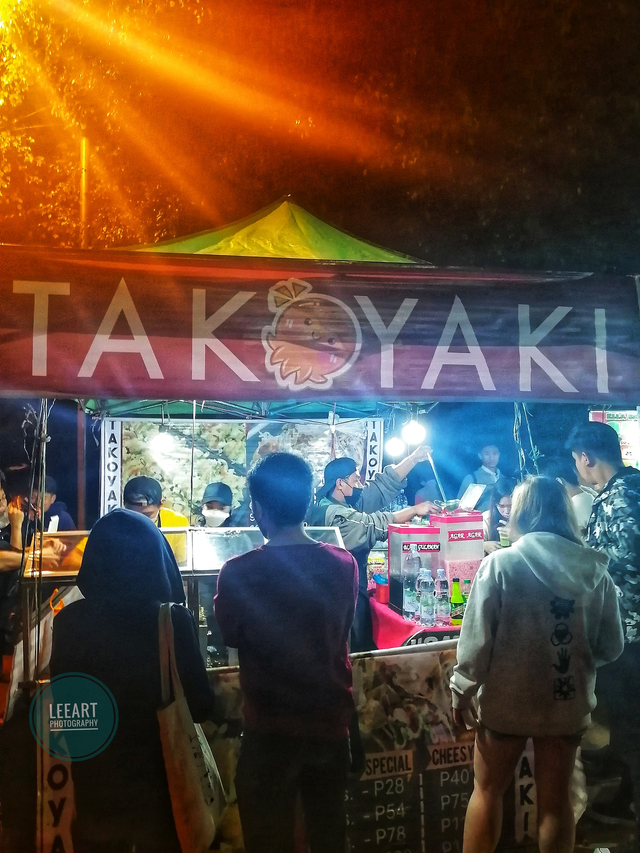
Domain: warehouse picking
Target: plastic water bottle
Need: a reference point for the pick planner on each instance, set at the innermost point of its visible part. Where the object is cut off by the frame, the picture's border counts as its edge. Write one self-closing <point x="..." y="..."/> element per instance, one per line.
<point x="409" y="576"/>
<point x="443" y="606"/>
<point x="427" y="600"/>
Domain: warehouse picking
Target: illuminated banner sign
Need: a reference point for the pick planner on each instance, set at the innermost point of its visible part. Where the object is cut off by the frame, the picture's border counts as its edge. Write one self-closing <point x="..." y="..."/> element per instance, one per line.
<point x="121" y="324"/>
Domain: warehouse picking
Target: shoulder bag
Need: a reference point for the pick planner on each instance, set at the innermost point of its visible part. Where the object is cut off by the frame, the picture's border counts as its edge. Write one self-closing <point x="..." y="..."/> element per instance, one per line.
<point x="197" y="795"/>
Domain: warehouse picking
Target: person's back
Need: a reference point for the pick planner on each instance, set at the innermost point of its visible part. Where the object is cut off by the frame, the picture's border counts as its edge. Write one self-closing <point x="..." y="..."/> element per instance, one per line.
<point x="287" y="607"/>
<point x="541" y="616"/>
<point x="288" y="610"/>
<point x="548" y="603"/>
<point x="112" y="634"/>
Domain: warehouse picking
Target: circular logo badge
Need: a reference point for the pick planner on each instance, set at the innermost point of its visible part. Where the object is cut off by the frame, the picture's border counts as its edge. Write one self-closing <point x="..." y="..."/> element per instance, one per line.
<point x="74" y="717"/>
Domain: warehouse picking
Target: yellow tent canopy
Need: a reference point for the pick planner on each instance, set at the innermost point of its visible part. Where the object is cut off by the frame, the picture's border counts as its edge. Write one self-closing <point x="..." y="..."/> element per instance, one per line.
<point x="282" y="230"/>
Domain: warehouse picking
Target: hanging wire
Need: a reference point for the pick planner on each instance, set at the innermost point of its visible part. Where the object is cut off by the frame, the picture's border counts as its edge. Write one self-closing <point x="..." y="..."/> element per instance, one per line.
<point x="521" y="415"/>
<point x="534" y="453"/>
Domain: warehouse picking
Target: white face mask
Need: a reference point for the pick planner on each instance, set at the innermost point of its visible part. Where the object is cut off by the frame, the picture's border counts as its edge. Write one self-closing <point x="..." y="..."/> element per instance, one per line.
<point x="214" y="517"/>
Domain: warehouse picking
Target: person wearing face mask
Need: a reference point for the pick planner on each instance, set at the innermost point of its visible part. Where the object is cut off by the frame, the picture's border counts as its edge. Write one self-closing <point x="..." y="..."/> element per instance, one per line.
<point x="342" y="501"/>
<point x="217" y="501"/>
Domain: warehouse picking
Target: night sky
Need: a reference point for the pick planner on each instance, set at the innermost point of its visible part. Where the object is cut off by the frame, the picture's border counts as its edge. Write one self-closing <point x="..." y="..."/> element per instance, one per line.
<point x="490" y="133"/>
<point x="465" y="132"/>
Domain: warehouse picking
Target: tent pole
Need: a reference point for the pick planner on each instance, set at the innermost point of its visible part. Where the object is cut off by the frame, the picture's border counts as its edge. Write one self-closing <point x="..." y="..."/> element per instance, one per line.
<point x="81" y="433"/>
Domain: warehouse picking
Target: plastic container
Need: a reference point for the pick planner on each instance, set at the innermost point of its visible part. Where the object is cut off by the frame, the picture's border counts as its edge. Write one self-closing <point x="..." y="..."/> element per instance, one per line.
<point x="381" y="589"/>
<point x="461" y="544"/>
<point x="401" y="537"/>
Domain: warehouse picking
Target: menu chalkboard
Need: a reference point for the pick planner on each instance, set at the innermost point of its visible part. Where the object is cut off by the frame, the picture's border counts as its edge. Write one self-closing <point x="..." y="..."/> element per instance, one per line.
<point x="410" y="800"/>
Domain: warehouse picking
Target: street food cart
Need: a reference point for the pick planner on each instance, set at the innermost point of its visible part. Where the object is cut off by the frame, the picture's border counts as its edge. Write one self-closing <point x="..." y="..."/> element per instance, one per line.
<point x="303" y="335"/>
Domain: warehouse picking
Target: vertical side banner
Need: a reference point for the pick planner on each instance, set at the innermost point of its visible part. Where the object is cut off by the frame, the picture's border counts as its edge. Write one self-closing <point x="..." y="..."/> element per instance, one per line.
<point x="374" y="448"/>
<point x="111" y="467"/>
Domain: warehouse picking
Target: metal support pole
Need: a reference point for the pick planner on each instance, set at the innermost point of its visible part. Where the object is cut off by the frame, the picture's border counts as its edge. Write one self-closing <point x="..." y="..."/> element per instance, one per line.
<point x="84" y="168"/>
<point x="435" y="474"/>
<point x="82" y="462"/>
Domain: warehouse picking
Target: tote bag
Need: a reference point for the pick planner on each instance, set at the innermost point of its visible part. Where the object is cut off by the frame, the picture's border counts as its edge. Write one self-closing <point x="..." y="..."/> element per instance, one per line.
<point x="197" y="795"/>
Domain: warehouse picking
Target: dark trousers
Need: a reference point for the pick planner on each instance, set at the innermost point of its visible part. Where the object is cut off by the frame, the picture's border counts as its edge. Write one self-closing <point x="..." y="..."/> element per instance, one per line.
<point x="272" y="771"/>
<point x="618" y="689"/>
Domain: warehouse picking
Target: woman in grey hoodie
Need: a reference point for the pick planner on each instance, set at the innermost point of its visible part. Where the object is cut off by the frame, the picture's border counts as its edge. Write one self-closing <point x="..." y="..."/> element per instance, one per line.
<point x="542" y="615"/>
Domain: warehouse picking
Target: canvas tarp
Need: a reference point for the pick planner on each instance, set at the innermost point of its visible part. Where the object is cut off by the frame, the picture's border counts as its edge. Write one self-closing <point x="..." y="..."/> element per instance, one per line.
<point x="282" y="230"/>
<point x="129" y="325"/>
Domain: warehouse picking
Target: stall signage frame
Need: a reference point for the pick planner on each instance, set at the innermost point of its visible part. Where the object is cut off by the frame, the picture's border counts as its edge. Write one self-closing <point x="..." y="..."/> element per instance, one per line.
<point x="122" y="325"/>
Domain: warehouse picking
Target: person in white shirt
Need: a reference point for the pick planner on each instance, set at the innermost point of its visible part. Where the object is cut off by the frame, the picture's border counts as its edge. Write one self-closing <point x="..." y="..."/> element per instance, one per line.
<point x="563" y="470"/>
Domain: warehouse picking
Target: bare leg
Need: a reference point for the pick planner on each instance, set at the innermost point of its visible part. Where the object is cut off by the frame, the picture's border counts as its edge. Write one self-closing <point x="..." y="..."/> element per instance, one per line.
<point x="555" y="758"/>
<point x="494" y="764"/>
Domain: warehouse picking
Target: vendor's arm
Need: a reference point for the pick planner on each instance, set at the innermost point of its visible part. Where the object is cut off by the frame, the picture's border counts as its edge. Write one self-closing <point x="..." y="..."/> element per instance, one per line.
<point x="421" y="509"/>
<point x="9" y="561"/>
<point x="477" y="634"/>
<point x="420" y="454"/>
<point x="364" y="529"/>
<point x="387" y="485"/>
<point x="358" y="529"/>
<point x="16" y="520"/>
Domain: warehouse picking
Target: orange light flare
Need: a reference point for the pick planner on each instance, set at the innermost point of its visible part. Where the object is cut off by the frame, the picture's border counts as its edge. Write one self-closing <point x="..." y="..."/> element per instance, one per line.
<point x="248" y="100"/>
<point x="181" y="171"/>
<point x="72" y="129"/>
<point x="160" y="155"/>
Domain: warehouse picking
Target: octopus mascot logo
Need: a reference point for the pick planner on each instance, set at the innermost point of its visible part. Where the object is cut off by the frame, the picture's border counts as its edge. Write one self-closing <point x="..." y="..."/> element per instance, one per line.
<point x="313" y="338"/>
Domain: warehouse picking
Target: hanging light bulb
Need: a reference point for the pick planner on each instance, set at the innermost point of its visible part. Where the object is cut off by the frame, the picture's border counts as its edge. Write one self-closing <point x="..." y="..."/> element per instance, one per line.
<point x="395" y="447"/>
<point x="414" y="433"/>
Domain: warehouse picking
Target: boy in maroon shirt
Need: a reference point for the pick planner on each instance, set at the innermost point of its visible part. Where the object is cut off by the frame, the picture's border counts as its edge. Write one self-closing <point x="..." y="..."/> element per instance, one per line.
<point x="288" y="607"/>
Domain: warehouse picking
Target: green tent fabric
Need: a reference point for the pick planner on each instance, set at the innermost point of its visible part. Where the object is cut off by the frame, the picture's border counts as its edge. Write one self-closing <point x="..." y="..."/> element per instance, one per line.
<point x="282" y="230"/>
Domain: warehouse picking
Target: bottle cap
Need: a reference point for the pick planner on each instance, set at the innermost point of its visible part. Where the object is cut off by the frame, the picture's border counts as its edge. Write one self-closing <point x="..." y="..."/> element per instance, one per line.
<point x="455" y="580"/>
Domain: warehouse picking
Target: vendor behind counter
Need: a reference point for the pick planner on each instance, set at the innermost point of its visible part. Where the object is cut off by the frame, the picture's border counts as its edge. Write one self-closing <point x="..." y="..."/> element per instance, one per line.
<point x="144" y="495"/>
<point x="357" y="511"/>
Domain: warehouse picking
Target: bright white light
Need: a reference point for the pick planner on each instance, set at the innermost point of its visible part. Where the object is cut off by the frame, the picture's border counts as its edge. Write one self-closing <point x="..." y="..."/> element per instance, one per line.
<point x="414" y="433"/>
<point x="162" y="443"/>
<point x="395" y="447"/>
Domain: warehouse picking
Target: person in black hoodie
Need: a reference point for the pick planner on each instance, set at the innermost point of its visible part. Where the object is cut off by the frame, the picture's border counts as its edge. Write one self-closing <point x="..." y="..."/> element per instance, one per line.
<point x="128" y="569"/>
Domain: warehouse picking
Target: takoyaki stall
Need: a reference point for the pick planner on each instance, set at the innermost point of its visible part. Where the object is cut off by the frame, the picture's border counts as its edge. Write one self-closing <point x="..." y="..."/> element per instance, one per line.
<point x="286" y="333"/>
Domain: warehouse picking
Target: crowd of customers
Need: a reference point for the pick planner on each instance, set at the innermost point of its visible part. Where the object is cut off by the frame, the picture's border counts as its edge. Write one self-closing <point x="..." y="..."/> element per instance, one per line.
<point x="552" y="622"/>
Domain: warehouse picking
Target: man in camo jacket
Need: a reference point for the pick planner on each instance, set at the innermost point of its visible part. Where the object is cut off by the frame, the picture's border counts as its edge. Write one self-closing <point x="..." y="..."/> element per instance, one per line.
<point x="614" y="528"/>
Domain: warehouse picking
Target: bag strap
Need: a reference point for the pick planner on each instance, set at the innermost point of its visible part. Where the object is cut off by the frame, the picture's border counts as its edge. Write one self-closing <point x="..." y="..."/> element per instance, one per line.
<point x="169" y="677"/>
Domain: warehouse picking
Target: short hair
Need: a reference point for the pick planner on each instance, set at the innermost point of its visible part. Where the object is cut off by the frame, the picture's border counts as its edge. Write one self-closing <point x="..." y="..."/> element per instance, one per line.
<point x="282" y="483"/>
<point x="542" y="505"/>
<point x="484" y="444"/>
<point x="559" y="467"/>
<point x="598" y="440"/>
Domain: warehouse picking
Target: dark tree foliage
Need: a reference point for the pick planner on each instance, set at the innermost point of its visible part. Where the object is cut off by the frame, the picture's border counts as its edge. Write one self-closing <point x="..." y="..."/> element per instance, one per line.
<point x="466" y="132"/>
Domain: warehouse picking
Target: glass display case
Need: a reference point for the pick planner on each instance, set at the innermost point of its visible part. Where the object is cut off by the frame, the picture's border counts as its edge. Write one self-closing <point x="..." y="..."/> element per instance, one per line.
<point x="200" y="552"/>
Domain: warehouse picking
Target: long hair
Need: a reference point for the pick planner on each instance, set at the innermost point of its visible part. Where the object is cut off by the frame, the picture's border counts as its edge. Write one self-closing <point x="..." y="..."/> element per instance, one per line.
<point x="542" y="505"/>
<point x="502" y="489"/>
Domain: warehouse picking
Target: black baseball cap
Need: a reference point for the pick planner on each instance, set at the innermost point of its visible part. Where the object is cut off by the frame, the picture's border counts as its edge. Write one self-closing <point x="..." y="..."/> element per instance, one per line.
<point x="337" y="469"/>
<point x="219" y="492"/>
<point x="144" y="491"/>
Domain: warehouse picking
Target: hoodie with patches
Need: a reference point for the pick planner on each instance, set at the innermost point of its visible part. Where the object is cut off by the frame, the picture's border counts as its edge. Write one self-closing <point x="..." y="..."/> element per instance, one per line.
<point x="542" y="615"/>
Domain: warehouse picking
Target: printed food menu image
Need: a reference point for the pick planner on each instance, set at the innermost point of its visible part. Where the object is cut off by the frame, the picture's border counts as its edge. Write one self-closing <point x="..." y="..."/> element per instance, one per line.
<point x="413" y="793"/>
<point x="418" y="778"/>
